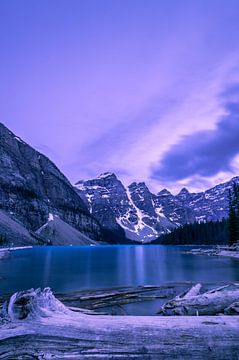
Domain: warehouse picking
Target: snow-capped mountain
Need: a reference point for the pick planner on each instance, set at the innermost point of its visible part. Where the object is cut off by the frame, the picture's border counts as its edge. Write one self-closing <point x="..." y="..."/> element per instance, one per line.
<point x="211" y="204"/>
<point x="187" y="207"/>
<point x="144" y="216"/>
<point x="175" y="207"/>
<point x="119" y="208"/>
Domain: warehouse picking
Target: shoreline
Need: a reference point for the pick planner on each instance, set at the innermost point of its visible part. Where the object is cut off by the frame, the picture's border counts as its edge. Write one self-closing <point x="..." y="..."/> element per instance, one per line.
<point x="224" y="251"/>
<point x="15" y="248"/>
<point x="5" y="252"/>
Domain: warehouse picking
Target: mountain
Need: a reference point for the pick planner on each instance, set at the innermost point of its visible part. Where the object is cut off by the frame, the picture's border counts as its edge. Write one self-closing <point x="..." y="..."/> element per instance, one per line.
<point x="144" y="216"/>
<point x="123" y="212"/>
<point x="175" y="208"/>
<point x="32" y="187"/>
<point x="213" y="203"/>
<point x="186" y="207"/>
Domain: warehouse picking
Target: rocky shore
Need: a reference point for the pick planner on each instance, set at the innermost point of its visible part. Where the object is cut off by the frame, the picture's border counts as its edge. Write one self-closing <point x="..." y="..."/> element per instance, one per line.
<point x="229" y="251"/>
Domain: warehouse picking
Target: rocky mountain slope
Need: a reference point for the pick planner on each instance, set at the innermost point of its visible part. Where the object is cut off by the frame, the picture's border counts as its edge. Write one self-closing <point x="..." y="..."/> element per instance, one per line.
<point x="117" y="208"/>
<point x="144" y="216"/>
<point x="14" y="233"/>
<point x="59" y="232"/>
<point x="32" y="187"/>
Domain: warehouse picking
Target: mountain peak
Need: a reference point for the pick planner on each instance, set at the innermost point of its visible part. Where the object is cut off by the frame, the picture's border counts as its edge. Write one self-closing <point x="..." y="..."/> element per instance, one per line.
<point x="235" y="179"/>
<point x="135" y="184"/>
<point x="164" y="192"/>
<point x="102" y="178"/>
<point x="183" y="191"/>
<point x="107" y="175"/>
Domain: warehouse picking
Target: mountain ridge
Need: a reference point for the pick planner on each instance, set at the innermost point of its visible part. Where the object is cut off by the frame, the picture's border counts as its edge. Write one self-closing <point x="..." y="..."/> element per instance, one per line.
<point x="146" y="215"/>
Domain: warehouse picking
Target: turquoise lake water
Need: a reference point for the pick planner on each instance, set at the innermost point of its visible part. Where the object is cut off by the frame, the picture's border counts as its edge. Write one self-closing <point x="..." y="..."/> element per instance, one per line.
<point x="67" y="269"/>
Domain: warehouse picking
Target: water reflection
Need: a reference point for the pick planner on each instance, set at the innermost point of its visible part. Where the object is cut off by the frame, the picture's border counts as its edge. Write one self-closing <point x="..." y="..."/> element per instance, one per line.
<point x="47" y="268"/>
<point x="71" y="268"/>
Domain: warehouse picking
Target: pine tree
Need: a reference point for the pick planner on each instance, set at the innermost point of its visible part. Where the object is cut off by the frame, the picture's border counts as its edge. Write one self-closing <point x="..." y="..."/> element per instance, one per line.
<point x="233" y="220"/>
<point x="2" y="240"/>
<point x="232" y="226"/>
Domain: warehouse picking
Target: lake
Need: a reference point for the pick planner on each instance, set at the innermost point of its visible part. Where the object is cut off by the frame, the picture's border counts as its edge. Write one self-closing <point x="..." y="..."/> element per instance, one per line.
<point x="66" y="269"/>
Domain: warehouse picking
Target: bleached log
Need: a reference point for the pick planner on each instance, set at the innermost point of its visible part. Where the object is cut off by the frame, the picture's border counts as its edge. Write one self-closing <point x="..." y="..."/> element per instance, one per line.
<point x="49" y="331"/>
<point x="193" y="291"/>
<point x="85" y="311"/>
<point x="96" y="299"/>
<point x="233" y="309"/>
<point x="209" y="303"/>
<point x="219" y="288"/>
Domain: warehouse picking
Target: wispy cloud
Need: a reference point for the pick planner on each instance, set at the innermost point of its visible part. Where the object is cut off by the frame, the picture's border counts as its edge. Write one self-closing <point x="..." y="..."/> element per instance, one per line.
<point x="205" y="153"/>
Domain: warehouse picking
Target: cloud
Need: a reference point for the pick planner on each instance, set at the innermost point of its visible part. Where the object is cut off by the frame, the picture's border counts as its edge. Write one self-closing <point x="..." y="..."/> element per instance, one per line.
<point x="113" y="150"/>
<point x="205" y="153"/>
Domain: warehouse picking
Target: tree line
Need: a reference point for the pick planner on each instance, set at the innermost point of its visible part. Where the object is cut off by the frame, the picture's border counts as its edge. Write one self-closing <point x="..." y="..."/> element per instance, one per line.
<point x="206" y="233"/>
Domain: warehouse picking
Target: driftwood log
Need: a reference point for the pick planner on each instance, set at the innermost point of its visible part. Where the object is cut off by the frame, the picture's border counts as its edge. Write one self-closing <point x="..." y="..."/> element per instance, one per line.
<point x="35" y="325"/>
<point x="114" y="300"/>
<point x="222" y="300"/>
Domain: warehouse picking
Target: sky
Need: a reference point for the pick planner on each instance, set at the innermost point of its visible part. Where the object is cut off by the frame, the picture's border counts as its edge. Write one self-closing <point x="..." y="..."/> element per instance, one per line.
<point x="147" y="89"/>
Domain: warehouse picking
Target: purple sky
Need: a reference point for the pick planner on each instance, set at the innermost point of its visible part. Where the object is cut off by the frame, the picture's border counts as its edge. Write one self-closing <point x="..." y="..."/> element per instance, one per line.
<point x="148" y="89"/>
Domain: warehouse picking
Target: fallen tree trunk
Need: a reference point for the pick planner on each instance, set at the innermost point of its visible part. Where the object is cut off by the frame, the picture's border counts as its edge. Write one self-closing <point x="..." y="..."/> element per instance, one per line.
<point x="233" y="309"/>
<point x="39" y="327"/>
<point x="117" y="297"/>
<point x="213" y="302"/>
<point x="195" y="290"/>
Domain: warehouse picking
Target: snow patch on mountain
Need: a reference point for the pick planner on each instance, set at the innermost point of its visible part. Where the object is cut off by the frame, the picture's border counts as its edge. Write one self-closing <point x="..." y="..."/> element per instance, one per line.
<point x="131" y="208"/>
<point x="143" y="215"/>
